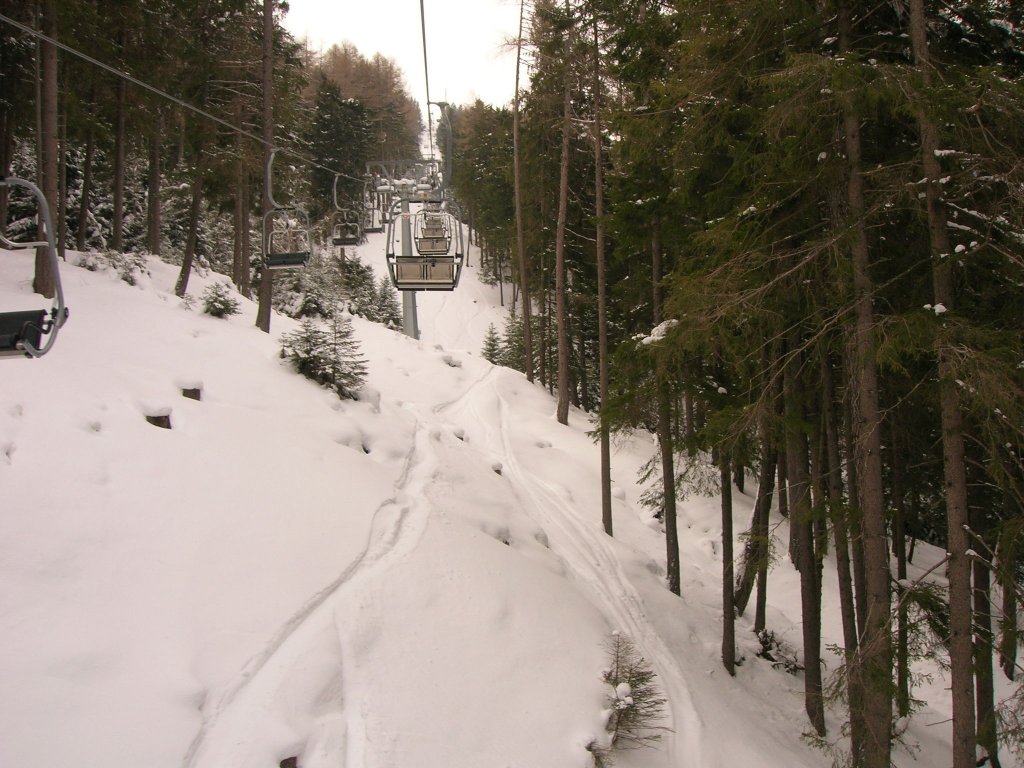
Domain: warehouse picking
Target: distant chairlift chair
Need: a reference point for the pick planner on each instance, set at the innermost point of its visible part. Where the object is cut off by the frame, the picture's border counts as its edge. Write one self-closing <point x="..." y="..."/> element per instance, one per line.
<point x="22" y="332"/>
<point x="346" y="223"/>
<point x="346" y="229"/>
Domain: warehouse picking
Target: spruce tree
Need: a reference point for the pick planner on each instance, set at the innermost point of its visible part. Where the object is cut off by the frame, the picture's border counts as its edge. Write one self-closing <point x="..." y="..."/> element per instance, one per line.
<point x="492" y="346"/>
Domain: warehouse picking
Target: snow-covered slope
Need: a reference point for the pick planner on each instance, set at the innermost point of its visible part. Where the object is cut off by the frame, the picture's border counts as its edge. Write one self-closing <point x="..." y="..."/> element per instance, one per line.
<point x="418" y="578"/>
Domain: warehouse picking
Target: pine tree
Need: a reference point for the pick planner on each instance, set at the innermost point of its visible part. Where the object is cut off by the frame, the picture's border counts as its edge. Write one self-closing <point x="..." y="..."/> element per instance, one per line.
<point x="492" y="346"/>
<point x="346" y="367"/>
<point x="513" y="346"/>
<point x="388" y="310"/>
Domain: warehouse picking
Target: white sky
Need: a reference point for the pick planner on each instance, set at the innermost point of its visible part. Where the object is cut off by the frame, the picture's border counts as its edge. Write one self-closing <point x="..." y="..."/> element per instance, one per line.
<point x="465" y="52"/>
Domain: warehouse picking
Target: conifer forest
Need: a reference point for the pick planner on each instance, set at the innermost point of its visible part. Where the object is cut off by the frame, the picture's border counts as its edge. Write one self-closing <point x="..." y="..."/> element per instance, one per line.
<point x="786" y="236"/>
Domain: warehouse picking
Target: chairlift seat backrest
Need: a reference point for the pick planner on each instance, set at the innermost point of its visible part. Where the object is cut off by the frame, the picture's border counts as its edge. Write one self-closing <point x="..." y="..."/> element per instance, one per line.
<point x="286" y="238"/>
<point x="20" y="328"/>
<point x="432" y="246"/>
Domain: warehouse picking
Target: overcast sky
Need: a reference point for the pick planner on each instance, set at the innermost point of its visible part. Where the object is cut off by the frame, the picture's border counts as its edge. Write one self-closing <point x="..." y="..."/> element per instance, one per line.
<point x="465" y="53"/>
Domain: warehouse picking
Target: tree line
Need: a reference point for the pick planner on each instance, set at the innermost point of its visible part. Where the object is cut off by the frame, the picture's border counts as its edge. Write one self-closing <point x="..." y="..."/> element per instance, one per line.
<point x="788" y="239"/>
<point x="164" y="149"/>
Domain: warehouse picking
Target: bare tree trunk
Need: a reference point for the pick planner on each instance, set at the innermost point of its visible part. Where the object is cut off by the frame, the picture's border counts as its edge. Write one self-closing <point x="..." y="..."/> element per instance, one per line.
<point x="83" y="205"/>
<point x="728" y="611"/>
<point x="800" y="518"/>
<point x="602" y="297"/>
<point x="62" y="190"/>
<point x="193" y="225"/>
<point x="853" y="511"/>
<point x="1008" y="623"/>
<point x="899" y="547"/>
<point x="153" y="217"/>
<point x="756" y="548"/>
<point x="562" y="411"/>
<point x="241" y="217"/>
<point x="120" y="141"/>
<point x="245" y="271"/>
<point x="871" y="674"/>
<point x="666" y="442"/>
<point x="524" y="283"/>
<point x="961" y="651"/>
<point x="984" y="682"/>
<point x="266" y="290"/>
<point x="45" y="281"/>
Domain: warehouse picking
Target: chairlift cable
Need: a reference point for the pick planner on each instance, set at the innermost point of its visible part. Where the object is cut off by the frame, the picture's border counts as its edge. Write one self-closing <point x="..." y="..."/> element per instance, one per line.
<point x="163" y="94"/>
<point x="426" y="78"/>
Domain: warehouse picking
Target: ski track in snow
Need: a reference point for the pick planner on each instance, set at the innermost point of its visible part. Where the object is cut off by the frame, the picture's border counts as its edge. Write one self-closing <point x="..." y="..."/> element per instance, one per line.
<point x="588" y="553"/>
<point x="395" y="529"/>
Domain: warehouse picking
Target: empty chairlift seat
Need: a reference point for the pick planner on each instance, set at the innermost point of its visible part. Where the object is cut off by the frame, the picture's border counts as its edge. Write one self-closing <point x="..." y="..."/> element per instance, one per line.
<point x="436" y="264"/>
<point x="346" y="228"/>
<point x="433" y="234"/>
<point x="286" y="238"/>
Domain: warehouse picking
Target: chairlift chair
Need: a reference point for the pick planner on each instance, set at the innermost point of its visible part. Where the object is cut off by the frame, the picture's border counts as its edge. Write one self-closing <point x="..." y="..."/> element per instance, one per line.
<point x="373" y="219"/>
<point x="346" y="227"/>
<point x="286" y="231"/>
<point x="286" y="238"/>
<point x="433" y="234"/>
<point x="426" y="270"/>
<point x="346" y="223"/>
<point x="22" y="332"/>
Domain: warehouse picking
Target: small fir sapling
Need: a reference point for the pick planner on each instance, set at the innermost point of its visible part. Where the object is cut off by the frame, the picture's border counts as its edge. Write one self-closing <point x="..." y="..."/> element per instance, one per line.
<point x="492" y="346"/>
<point x="634" y="705"/>
<point x="330" y="357"/>
<point x="218" y="301"/>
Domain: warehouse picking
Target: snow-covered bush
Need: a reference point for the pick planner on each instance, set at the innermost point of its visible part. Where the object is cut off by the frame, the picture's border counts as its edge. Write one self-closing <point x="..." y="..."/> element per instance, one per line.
<point x="219" y="301"/>
<point x="129" y="266"/>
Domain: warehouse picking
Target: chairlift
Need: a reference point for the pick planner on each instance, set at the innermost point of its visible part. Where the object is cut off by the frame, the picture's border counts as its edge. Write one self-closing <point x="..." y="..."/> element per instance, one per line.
<point x="286" y="231"/>
<point x="346" y="223"/>
<point x="22" y="332"/>
<point x="373" y="219"/>
<point x="437" y="263"/>
<point x="433" y="235"/>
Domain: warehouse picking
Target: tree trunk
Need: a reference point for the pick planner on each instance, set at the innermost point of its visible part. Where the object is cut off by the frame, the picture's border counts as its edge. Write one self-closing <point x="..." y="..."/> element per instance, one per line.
<point x="241" y="216"/>
<point x="517" y="189"/>
<point x="668" y="475"/>
<point x="562" y="411"/>
<point x="899" y="547"/>
<point x="666" y="442"/>
<point x="153" y="212"/>
<point x="120" y="142"/>
<point x="800" y="517"/>
<point x="1008" y="623"/>
<point x="62" y="190"/>
<point x="83" y="205"/>
<point x="756" y="548"/>
<point x="961" y="652"/>
<point x="193" y="225"/>
<point x="728" y="611"/>
<point x="45" y="281"/>
<point x="854" y="514"/>
<point x="266" y="290"/>
<point x="984" y="682"/>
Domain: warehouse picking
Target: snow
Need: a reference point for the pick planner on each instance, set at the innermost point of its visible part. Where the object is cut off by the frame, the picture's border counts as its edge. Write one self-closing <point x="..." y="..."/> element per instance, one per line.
<point x="417" y="578"/>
